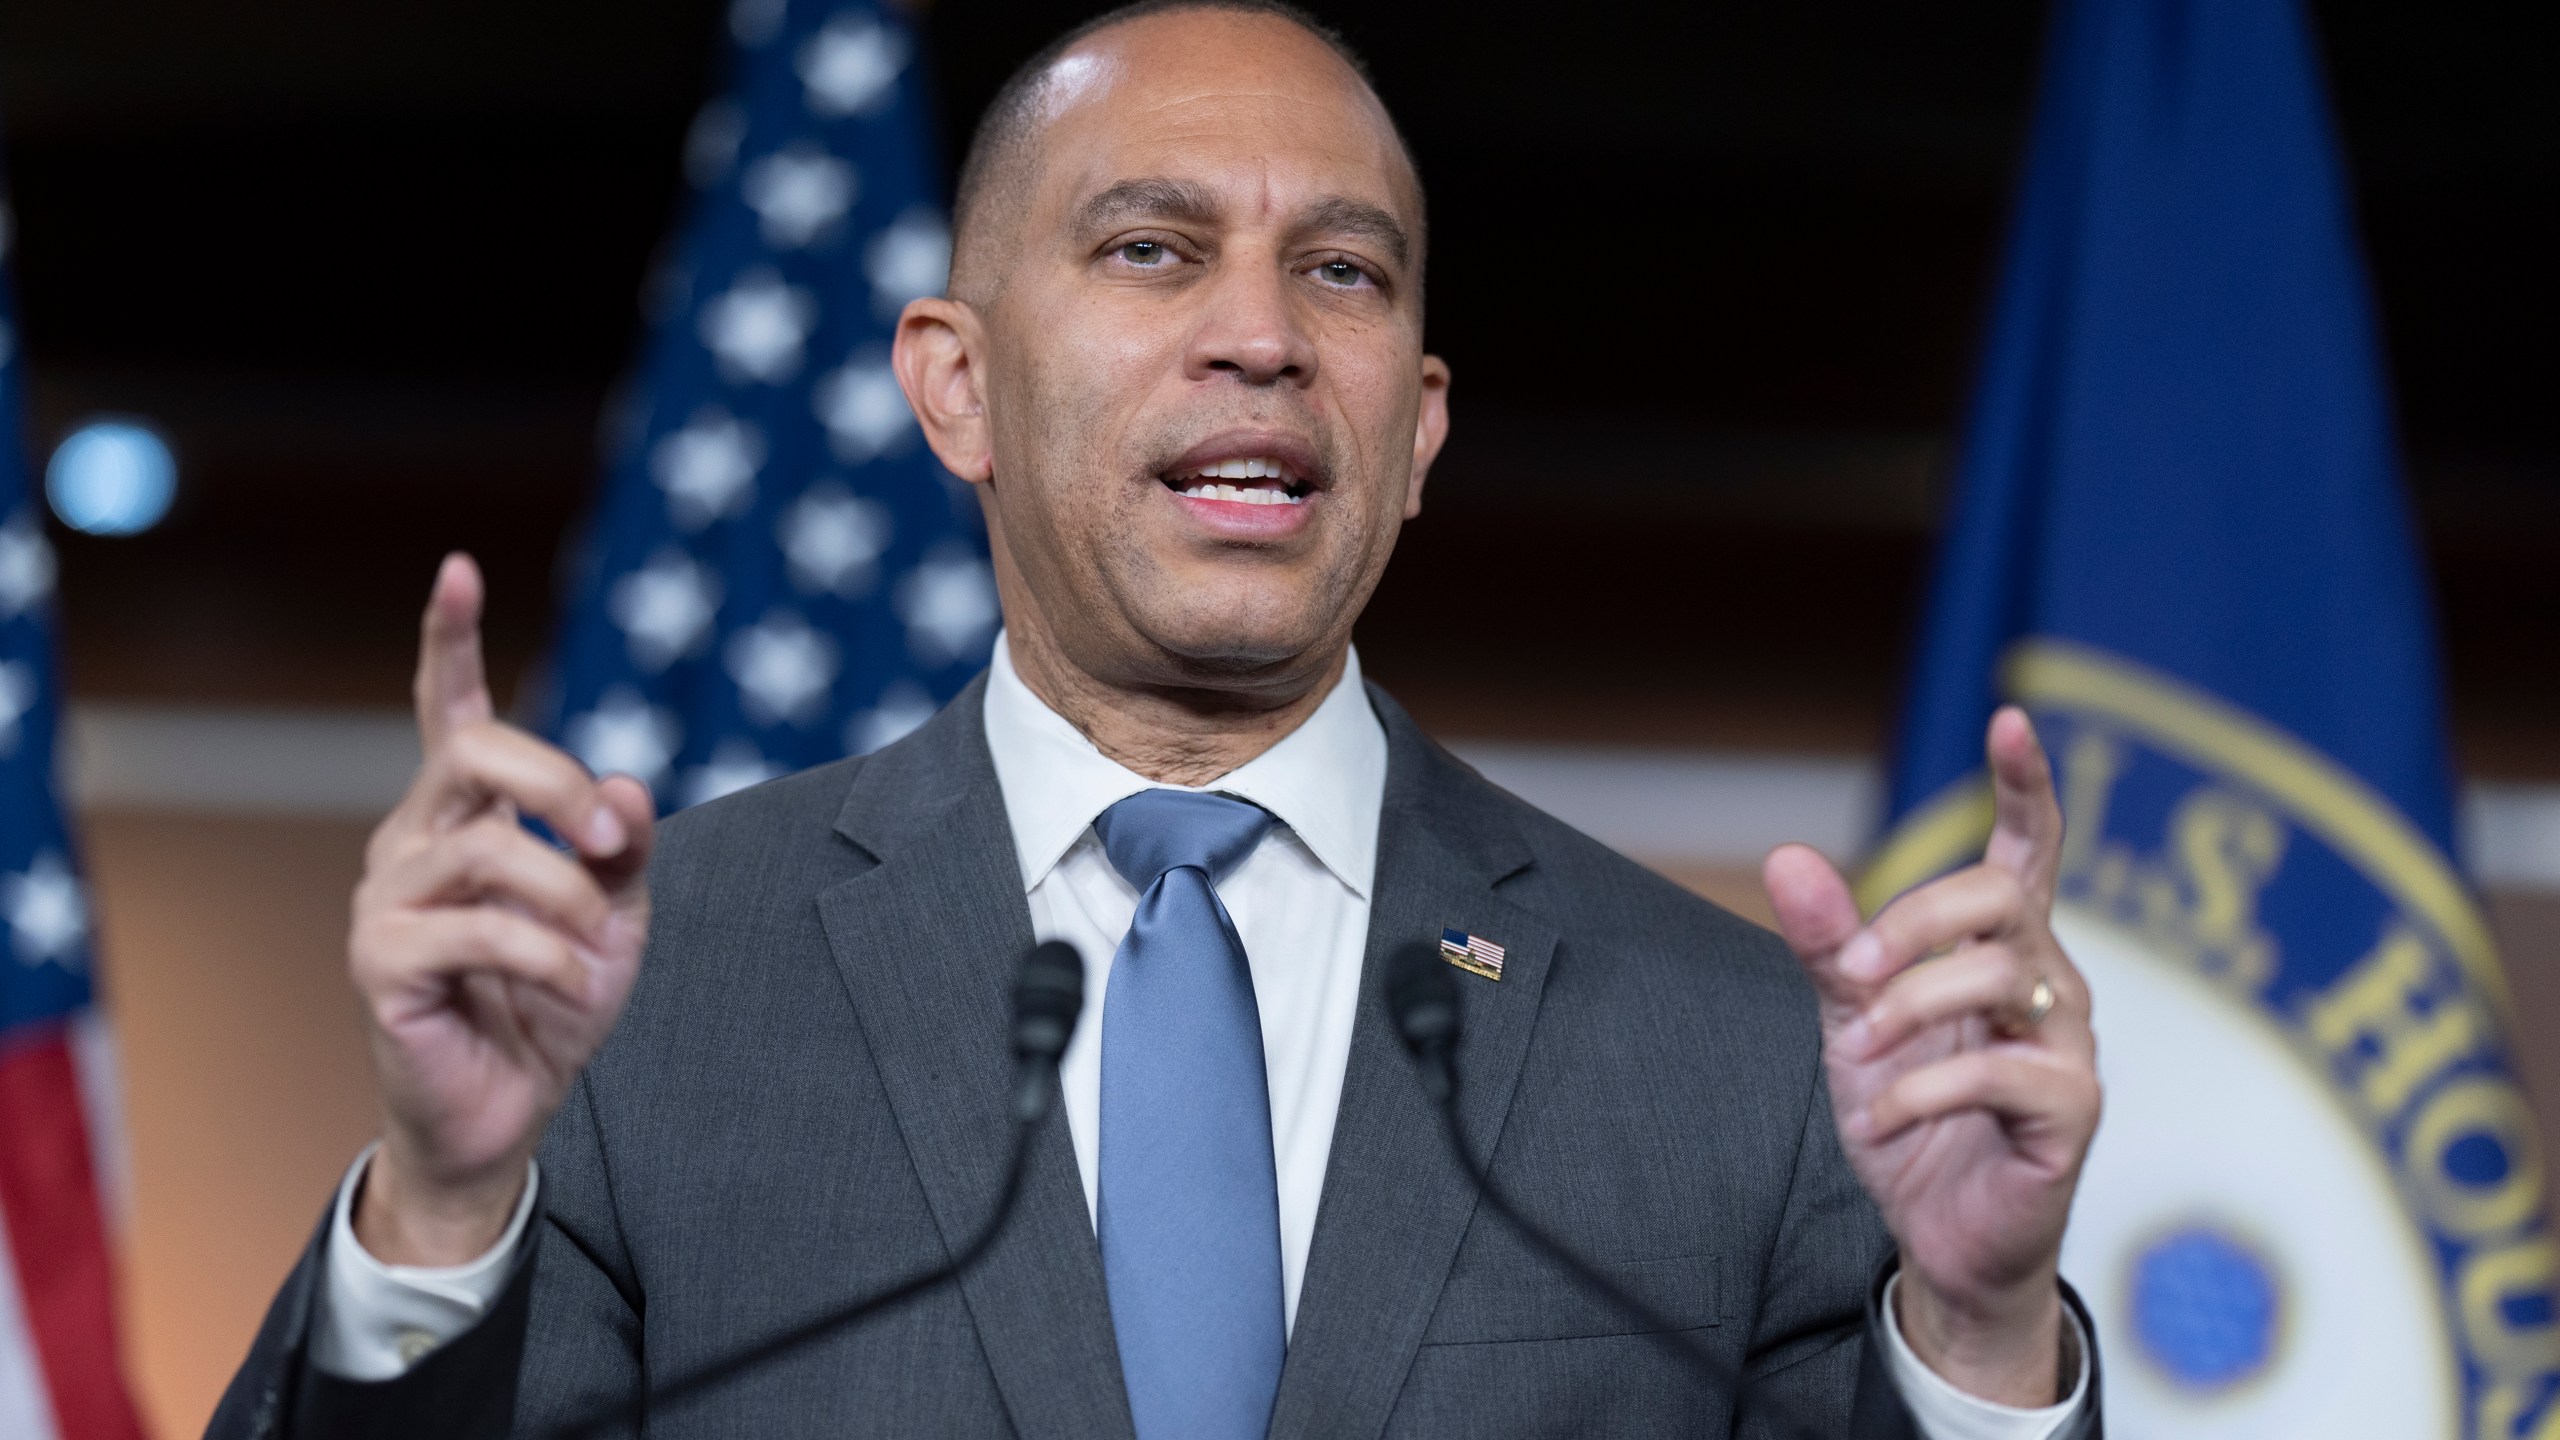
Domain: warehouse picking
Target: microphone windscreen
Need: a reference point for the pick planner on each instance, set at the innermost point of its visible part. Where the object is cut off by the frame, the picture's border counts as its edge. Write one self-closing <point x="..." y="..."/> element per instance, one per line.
<point x="1421" y="998"/>
<point x="1047" y="998"/>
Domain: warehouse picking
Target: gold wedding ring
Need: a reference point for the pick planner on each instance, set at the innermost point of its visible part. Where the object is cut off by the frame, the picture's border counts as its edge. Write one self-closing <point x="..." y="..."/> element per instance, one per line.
<point x="2039" y="1003"/>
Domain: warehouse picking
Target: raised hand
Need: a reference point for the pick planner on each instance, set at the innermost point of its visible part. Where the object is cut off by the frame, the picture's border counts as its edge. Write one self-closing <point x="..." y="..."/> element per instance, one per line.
<point x="491" y="965"/>
<point x="1964" y="1077"/>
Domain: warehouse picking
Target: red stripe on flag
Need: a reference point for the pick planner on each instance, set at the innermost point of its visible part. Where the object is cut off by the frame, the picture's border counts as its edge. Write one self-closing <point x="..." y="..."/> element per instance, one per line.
<point x="58" y="1239"/>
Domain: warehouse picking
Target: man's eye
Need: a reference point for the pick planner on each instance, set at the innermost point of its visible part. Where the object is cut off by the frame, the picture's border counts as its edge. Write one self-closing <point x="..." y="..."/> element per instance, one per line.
<point x="1341" y="272"/>
<point x="1145" y="252"/>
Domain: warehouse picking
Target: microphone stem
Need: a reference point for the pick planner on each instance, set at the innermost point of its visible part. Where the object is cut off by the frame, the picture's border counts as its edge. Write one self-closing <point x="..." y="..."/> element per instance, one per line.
<point x="1660" y="1328"/>
<point x="729" y="1367"/>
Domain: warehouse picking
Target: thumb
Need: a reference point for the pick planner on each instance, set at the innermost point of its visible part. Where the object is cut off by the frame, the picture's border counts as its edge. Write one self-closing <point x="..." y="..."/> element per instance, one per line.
<point x="624" y="873"/>
<point x="1816" y="913"/>
<point x="2026" y="829"/>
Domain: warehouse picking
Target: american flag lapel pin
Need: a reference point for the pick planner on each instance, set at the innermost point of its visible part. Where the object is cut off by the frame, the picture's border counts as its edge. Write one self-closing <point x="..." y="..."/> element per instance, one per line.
<point x="1472" y="953"/>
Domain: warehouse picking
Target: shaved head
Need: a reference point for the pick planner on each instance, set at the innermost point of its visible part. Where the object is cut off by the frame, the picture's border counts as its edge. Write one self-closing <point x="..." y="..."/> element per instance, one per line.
<point x="1181" y="364"/>
<point x="997" y="173"/>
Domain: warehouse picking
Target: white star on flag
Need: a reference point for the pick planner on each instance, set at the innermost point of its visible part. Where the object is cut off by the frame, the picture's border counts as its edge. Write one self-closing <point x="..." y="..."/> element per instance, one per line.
<point x="798" y="193"/>
<point x="17" y="697"/>
<point x="901" y="708"/>
<point x="735" y="764"/>
<point x="908" y="261"/>
<point x="863" y="409"/>
<point x="664" y="608"/>
<point x="833" y="539"/>
<point x="46" y="912"/>
<point x="849" y="66"/>
<point x="625" y="735"/>
<point x="949" y="604"/>
<point x="708" y="468"/>
<point x="756" y="327"/>
<point x="783" y="669"/>
<point x="26" y="565"/>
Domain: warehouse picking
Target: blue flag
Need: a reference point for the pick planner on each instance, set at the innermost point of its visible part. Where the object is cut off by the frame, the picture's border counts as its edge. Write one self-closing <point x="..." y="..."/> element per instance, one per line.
<point x="780" y="573"/>
<point x="2179" y="539"/>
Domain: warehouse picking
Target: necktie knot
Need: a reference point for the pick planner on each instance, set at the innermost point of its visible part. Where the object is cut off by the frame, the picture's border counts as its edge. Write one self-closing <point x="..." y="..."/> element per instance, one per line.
<point x="1154" y="831"/>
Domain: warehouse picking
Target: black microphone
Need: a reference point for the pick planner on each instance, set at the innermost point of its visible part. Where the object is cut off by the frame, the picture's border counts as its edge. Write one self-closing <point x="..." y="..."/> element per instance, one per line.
<point x="1047" y="997"/>
<point x="1422" y="1001"/>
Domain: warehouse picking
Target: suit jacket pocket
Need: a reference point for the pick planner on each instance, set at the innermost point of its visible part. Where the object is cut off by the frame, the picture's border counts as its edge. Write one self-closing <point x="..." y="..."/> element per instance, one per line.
<point x="1527" y="1298"/>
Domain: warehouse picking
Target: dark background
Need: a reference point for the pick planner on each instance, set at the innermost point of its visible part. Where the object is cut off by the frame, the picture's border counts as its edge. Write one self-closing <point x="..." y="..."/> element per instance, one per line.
<point x="1709" y="274"/>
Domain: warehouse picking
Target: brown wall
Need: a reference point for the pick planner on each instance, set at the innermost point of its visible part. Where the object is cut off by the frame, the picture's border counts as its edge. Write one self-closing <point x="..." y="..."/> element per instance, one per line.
<point x="245" y="1081"/>
<point x="245" y="1087"/>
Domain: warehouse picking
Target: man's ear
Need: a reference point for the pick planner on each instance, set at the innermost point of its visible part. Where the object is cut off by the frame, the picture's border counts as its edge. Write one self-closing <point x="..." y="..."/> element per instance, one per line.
<point x="939" y="356"/>
<point x="1430" y="430"/>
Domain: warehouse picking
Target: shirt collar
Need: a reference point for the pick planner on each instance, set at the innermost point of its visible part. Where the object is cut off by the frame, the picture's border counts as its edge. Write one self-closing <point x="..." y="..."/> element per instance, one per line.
<point x="1325" y="780"/>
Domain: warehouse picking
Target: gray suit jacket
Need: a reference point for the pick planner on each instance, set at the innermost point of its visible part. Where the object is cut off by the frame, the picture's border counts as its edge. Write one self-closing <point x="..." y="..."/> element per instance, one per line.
<point x="806" y="1103"/>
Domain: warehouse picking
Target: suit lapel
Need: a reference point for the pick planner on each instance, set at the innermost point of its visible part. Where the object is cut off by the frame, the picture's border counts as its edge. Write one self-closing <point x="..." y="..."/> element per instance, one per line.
<point x="928" y="941"/>
<point x="1395" y="1205"/>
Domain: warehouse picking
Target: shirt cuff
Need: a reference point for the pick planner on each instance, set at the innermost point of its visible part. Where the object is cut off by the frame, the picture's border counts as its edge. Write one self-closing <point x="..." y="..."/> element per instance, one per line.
<point x="376" y="1320"/>
<point x="1944" y="1412"/>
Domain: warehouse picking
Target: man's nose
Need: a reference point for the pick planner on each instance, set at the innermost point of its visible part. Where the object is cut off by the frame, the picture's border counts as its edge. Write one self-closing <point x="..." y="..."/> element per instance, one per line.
<point x="1252" y="327"/>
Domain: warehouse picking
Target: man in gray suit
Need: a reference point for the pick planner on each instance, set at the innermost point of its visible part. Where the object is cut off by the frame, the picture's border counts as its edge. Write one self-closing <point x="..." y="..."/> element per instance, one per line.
<point x="1181" y="362"/>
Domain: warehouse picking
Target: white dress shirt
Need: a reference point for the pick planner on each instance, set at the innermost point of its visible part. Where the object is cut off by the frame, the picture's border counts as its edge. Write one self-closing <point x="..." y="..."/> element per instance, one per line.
<point x="1300" y="903"/>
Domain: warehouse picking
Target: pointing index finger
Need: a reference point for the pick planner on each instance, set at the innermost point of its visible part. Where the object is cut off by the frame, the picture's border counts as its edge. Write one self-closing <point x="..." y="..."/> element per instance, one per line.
<point x="2026" y="827"/>
<point x="452" y="686"/>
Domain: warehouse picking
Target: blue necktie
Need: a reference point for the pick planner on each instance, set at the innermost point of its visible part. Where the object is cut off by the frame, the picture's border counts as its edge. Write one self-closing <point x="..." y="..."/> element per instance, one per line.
<point x="1190" y="1204"/>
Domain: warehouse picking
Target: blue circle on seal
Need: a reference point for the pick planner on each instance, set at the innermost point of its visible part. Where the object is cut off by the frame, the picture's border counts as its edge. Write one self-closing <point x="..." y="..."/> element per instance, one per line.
<point x="2204" y="1307"/>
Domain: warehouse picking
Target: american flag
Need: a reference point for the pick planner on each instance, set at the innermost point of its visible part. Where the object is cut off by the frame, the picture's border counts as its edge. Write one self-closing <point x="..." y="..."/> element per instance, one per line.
<point x="1472" y="953"/>
<point x="779" y="572"/>
<point x="59" y="1378"/>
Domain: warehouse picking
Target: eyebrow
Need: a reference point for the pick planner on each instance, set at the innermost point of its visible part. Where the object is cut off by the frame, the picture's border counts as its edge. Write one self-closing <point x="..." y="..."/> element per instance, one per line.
<point x="1341" y="215"/>
<point x="1147" y="199"/>
<point x="1189" y="203"/>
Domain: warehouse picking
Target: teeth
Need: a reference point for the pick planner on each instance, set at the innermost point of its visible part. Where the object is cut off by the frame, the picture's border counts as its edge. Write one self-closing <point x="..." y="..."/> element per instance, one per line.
<point x="1255" y="468"/>
<point x="1255" y="496"/>
<point x="1208" y="484"/>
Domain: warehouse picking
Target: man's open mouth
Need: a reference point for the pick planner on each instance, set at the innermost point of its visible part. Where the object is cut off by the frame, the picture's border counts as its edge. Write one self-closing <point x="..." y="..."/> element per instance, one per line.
<point x="1254" y="480"/>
